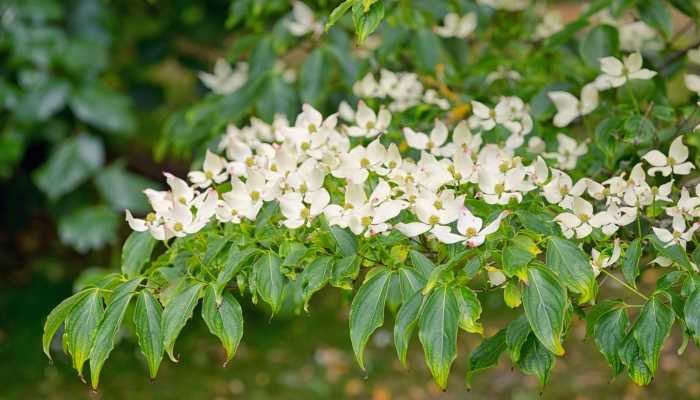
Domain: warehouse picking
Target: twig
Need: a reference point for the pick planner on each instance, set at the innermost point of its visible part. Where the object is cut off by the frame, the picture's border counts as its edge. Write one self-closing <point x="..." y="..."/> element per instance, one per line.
<point x="621" y="282"/>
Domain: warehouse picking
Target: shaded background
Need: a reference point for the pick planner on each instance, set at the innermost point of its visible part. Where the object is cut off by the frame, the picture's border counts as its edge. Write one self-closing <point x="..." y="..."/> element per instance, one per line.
<point x="93" y="95"/>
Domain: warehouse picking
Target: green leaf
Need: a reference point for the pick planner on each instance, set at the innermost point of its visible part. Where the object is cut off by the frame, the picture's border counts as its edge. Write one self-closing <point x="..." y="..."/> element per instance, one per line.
<point x="687" y="7"/>
<point x="123" y="189"/>
<point x="656" y="14"/>
<point x="81" y="326"/>
<point x="338" y="12"/>
<point x="486" y="355"/>
<point x="609" y="334"/>
<point x="269" y="280"/>
<point x="235" y="261"/>
<point x="103" y="108"/>
<point x="366" y="21"/>
<point x="346" y="241"/>
<point x="536" y="223"/>
<point x="517" y="333"/>
<point x="436" y="276"/>
<point x="439" y="323"/>
<point x="406" y="320"/>
<point x="536" y="360"/>
<point x="367" y="311"/>
<point x="89" y="228"/>
<point x="311" y="77"/>
<point x="345" y="271"/>
<point x="651" y="329"/>
<point x="57" y="316"/>
<point x="571" y="265"/>
<point x="109" y="326"/>
<point x="177" y="312"/>
<point x="314" y="277"/>
<point x="42" y="101"/>
<point x="630" y="264"/>
<point x="426" y="50"/>
<point x="630" y="357"/>
<point x="422" y="264"/>
<point x="147" y="324"/>
<point x="224" y="320"/>
<point x="675" y="252"/>
<point x="136" y="252"/>
<point x="410" y="282"/>
<point x="469" y="310"/>
<point x="515" y="260"/>
<point x="74" y="161"/>
<point x="601" y="41"/>
<point x="544" y="300"/>
<point x="691" y="314"/>
<point x="597" y="311"/>
<point x="512" y="295"/>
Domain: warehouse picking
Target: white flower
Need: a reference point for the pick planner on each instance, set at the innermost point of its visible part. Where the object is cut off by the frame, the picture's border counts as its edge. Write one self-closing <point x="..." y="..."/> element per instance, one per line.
<point x="456" y="26"/>
<point x="471" y="229"/>
<point x="433" y="143"/>
<point x="675" y="162"/>
<point x="582" y="220"/>
<point x="536" y="145"/>
<point x="569" y="107"/>
<point x="561" y="190"/>
<point x="213" y="171"/>
<point x="679" y="236"/>
<point x="151" y="223"/>
<point x="616" y="73"/>
<point x="180" y="191"/>
<point x="303" y="21"/>
<point x="355" y="165"/>
<point x="181" y="221"/>
<point x="500" y="188"/>
<point x="256" y="189"/>
<point x="433" y="212"/>
<point x="369" y="123"/>
<point x="483" y="117"/>
<point x="299" y="208"/>
<point x="568" y="152"/>
<point x="538" y="172"/>
<point x="464" y="140"/>
<point x="692" y="82"/>
<point x="551" y="24"/>
<point x="225" y="80"/>
<point x="600" y="260"/>
<point x="687" y="206"/>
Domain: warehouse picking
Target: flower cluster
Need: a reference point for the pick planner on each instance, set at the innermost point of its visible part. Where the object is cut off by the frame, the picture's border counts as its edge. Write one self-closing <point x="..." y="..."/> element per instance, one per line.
<point x="402" y="88"/>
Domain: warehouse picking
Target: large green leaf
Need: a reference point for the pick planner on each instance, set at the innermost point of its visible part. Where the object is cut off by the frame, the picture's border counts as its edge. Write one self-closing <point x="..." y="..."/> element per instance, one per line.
<point x="469" y="310"/>
<point x="345" y="240"/>
<point x="517" y="333"/>
<point x="42" y="101"/>
<point x="599" y="42"/>
<point x="367" y="311"/>
<point x="345" y="271"/>
<point x="366" y="21"/>
<point x="80" y="328"/>
<point x="269" y="280"/>
<point x="109" y="326"/>
<point x="544" y="300"/>
<point x="422" y="264"/>
<point x="147" y="323"/>
<point x="70" y="164"/>
<point x="656" y="14"/>
<point x="630" y="356"/>
<point x="338" y="12"/>
<point x="57" y="316"/>
<point x="410" y="282"/>
<point x="136" y="252"/>
<point x="675" y="252"/>
<point x="123" y="189"/>
<point x="406" y="320"/>
<point x="691" y="314"/>
<point x="536" y="360"/>
<point x="235" y="261"/>
<point x="486" y="355"/>
<point x="312" y="77"/>
<point x="572" y="266"/>
<point x="225" y="321"/>
<point x="439" y="323"/>
<point x="89" y="228"/>
<point x="651" y="330"/>
<point x="177" y="312"/>
<point x="609" y="334"/>
<point x="103" y="108"/>
<point x="314" y="277"/>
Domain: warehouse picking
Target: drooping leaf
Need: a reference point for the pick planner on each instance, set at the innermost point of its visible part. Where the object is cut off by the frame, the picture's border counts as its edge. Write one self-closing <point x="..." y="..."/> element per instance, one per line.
<point x="57" y="316"/>
<point x="269" y="280"/>
<point x="439" y="323"/>
<point x="517" y="333"/>
<point x="314" y="277"/>
<point x="571" y="265"/>
<point x="177" y="312"/>
<point x="469" y="310"/>
<point x="544" y="300"/>
<point x="630" y="356"/>
<point x="601" y="41"/>
<point x="109" y="326"/>
<point x="88" y="228"/>
<point x="338" y="12"/>
<point x="147" y="322"/>
<point x="656" y="14"/>
<point x="366" y="21"/>
<point x="651" y="330"/>
<point x="81" y="326"/>
<point x="406" y="320"/>
<point x="674" y="252"/>
<point x="609" y="334"/>
<point x="345" y="240"/>
<point x="691" y="314"/>
<point x="345" y="271"/>
<point x="536" y="360"/>
<point x="136" y="252"/>
<point x="224" y="320"/>
<point x="486" y="355"/>
<point x="235" y="261"/>
<point x="599" y="310"/>
<point x="422" y="264"/>
<point x="367" y="311"/>
<point x="103" y="108"/>
<point x="410" y="282"/>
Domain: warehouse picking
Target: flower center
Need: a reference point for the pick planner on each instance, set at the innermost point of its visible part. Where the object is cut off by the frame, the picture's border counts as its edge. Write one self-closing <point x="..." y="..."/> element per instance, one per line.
<point x="434" y="219"/>
<point x="208" y="174"/>
<point x="305" y="146"/>
<point x="178" y="227"/>
<point x="305" y="213"/>
<point x="364" y="163"/>
<point x="471" y="231"/>
<point x="255" y="195"/>
<point x="370" y="125"/>
<point x="312" y="128"/>
<point x="151" y="217"/>
<point x="366" y="220"/>
<point x="499" y="188"/>
<point x="584" y="217"/>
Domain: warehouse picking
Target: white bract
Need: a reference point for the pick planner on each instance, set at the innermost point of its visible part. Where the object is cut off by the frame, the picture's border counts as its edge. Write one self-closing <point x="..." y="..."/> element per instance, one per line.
<point x="676" y="161"/>
<point x="569" y="107"/>
<point x="457" y="26"/>
<point x="616" y="73"/>
<point x="303" y="21"/>
<point x="224" y="79"/>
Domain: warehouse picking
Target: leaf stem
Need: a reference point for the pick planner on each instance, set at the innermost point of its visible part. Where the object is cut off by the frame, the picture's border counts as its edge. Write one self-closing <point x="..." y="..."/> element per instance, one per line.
<point x="621" y="282"/>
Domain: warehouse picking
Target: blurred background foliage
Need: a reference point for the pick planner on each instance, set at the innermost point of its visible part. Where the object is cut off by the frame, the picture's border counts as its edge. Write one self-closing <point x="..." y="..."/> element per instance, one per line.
<point x="98" y="97"/>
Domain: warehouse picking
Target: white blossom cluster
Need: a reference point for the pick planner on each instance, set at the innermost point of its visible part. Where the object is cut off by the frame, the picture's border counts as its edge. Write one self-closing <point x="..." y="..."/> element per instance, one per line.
<point x="402" y="88"/>
<point x="293" y="164"/>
